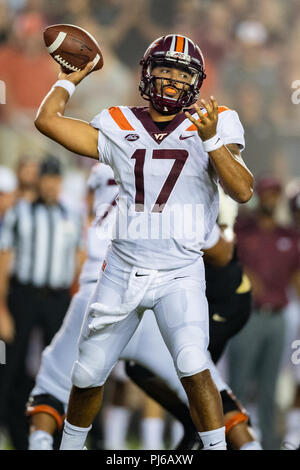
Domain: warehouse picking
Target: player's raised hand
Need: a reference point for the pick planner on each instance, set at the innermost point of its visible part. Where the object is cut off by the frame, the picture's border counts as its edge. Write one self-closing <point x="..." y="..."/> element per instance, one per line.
<point x="76" y="77"/>
<point x="207" y="123"/>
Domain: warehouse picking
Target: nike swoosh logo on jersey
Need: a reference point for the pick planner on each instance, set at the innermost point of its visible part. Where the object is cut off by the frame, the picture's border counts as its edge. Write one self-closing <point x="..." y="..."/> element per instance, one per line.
<point x="214" y="444"/>
<point x="141" y="275"/>
<point x="217" y="317"/>
<point x="180" y="277"/>
<point x="183" y="137"/>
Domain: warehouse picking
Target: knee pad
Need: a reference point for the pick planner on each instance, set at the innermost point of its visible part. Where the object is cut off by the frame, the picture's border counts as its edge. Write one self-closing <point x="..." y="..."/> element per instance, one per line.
<point x="89" y="369"/>
<point x="48" y="404"/>
<point x="191" y="360"/>
<point x="82" y="377"/>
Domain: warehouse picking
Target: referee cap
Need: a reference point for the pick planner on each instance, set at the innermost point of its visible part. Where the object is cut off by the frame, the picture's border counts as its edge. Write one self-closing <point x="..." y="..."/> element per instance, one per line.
<point x="50" y="166"/>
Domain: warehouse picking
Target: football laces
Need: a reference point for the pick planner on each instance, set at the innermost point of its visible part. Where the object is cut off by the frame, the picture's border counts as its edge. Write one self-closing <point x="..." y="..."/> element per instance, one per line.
<point x="66" y="64"/>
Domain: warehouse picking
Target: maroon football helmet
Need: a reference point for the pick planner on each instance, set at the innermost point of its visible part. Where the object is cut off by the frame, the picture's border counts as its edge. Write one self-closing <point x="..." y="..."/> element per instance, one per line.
<point x="173" y="51"/>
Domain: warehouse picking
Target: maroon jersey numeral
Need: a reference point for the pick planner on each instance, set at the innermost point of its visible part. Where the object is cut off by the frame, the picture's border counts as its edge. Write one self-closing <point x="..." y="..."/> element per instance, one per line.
<point x="179" y="156"/>
<point x="139" y="156"/>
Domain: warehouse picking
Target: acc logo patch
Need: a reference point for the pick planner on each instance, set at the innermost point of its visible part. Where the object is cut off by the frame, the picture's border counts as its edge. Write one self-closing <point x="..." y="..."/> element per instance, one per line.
<point x="132" y="137"/>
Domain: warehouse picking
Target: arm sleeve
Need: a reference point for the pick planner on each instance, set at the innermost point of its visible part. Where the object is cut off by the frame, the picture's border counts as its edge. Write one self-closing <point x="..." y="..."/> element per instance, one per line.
<point x="8" y="230"/>
<point x="230" y="128"/>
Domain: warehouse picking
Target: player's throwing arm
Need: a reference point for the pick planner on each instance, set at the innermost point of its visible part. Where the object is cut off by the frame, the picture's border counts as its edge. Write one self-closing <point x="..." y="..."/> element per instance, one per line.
<point x="75" y="135"/>
<point x="226" y="160"/>
<point x="78" y="53"/>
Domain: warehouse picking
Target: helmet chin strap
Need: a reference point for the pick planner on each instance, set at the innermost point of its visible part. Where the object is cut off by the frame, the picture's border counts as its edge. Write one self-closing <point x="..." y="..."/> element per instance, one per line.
<point x="161" y="105"/>
<point x="165" y="111"/>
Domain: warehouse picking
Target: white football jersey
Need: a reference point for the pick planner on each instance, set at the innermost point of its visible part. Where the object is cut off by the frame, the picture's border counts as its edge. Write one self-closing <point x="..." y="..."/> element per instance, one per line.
<point x="168" y="199"/>
<point x="99" y="234"/>
<point x="212" y="238"/>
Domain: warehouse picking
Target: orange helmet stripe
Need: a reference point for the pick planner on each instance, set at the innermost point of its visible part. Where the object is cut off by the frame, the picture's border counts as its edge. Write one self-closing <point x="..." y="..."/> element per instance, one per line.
<point x="179" y="44"/>
<point x="220" y="110"/>
<point x="120" y="119"/>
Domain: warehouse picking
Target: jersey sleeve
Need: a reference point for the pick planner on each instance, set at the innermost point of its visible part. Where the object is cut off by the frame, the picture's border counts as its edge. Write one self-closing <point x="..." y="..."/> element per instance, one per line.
<point x="212" y="238"/>
<point x="101" y="175"/>
<point x="103" y="141"/>
<point x="230" y="128"/>
<point x="95" y="179"/>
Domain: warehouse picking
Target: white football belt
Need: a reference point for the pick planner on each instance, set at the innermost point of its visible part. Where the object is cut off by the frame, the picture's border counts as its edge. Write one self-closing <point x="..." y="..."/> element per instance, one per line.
<point x="104" y="315"/>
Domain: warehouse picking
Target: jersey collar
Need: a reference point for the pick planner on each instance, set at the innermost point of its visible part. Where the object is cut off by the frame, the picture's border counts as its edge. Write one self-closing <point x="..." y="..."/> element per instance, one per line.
<point x="143" y="115"/>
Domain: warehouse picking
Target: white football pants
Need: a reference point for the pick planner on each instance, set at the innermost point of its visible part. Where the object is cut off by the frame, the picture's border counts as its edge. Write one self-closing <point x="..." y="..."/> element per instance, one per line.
<point x="177" y="299"/>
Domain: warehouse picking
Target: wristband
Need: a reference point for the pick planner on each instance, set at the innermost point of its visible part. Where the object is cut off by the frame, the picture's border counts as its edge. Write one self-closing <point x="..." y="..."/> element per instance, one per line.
<point x="213" y="143"/>
<point x="67" y="85"/>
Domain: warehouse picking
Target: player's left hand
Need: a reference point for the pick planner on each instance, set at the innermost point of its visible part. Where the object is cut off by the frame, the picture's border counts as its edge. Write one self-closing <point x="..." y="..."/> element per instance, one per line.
<point x="206" y="124"/>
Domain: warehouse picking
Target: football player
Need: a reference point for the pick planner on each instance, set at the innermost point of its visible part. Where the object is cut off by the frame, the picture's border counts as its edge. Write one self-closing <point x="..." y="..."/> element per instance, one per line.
<point x="164" y="160"/>
<point x="48" y="400"/>
<point x="292" y="431"/>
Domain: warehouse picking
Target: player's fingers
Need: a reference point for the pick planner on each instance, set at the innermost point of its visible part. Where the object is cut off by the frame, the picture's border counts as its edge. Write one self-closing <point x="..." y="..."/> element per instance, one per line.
<point x="201" y="115"/>
<point x="215" y="106"/>
<point x="209" y="109"/>
<point x="87" y="69"/>
<point x="76" y="77"/>
<point x="192" y="119"/>
<point x="62" y="75"/>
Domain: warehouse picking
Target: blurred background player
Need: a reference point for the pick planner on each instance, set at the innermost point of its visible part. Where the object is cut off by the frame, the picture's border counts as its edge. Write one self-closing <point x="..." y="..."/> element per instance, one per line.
<point x="269" y="254"/>
<point x="291" y="438"/>
<point x="45" y="239"/>
<point x="8" y="197"/>
<point x="50" y="394"/>
<point x="8" y="188"/>
<point x="28" y="172"/>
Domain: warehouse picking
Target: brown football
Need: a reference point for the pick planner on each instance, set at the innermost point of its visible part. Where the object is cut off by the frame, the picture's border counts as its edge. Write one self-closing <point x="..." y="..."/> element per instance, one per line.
<point x="72" y="47"/>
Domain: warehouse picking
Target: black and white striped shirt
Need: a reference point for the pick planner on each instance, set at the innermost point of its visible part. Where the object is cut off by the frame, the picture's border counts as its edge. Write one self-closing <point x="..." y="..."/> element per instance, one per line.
<point x="45" y="240"/>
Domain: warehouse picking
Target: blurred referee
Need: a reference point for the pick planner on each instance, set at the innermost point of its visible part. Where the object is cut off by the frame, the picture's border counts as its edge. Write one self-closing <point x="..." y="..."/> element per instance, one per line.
<point x="39" y="253"/>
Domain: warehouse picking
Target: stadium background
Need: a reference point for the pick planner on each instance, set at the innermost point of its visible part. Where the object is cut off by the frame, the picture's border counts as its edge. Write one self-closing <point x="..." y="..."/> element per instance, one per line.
<point x="251" y="48"/>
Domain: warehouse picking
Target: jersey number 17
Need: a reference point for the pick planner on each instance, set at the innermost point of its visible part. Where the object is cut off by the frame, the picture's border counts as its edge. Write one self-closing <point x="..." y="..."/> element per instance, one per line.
<point x="139" y="155"/>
